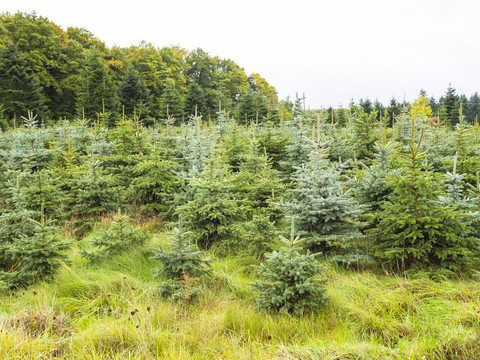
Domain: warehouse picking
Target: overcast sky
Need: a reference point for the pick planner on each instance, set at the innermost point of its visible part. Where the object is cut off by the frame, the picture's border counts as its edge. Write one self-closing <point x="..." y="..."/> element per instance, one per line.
<point x="332" y="51"/>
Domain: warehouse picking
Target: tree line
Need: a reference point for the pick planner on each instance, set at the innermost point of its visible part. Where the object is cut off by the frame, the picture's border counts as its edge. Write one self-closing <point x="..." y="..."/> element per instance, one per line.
<point x="65" y="74"/>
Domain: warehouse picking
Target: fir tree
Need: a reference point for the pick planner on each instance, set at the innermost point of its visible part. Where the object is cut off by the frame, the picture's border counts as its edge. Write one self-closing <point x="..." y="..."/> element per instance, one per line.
<point x="289" y="283"/>
<point x="180" y="267"/>
<point x="195" y="101"/>
<point x="97" y="92"/>
<point x="36" y="256"/>
<point x="322" y="210"/>
<point x="365" y="134"/>
<point x="118" y="238"/>
<point x="213" y="209"/>
<point x="154" y="185"/>
<point x="20" y="90"/>
<point x="133" y="94"/>
<point x="415" y="230"/>
<point x="172" y="104"/>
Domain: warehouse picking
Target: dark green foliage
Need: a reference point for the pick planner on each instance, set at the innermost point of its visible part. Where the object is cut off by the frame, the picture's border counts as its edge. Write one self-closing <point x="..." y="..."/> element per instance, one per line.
<point x="154" y="186"/>
<point x="415" y="230"/>
<point x="371" y="186"/>
<point x="118" y="238"/>
<point x="20" y="90"/>
<point x="172" y="104"/>
<point x="212" y="212"/>
<point x="449" y="106"/>
<point x="289" y="283"/>
<point x="180" y="267"/>
<point x="394" y="109"/>
<point x="259" y="235"/>
<point x="133" y="94"/>
<point x="96" y="192"/>
<point x="97" y="92"/>
<point x="195" y="101"/>
<point x="365" y="132"/>
<point x="473" y="110"/>
<point x="37" y="256"/>
<point x="251" y="106"/>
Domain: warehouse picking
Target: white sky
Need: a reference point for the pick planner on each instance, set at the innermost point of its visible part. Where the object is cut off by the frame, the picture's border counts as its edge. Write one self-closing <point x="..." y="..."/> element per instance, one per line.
<point x="332" y="50"/>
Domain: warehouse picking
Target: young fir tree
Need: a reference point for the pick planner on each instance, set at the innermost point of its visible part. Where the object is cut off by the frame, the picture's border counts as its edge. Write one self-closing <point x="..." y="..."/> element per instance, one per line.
<point x="38" y="256"/>
<point x="370" y="184"/>
<point x="213" y="209"/>
<point x="118" y="238"/>
<point x="259" y="235"/>
<point x="300" y="143"/>
<point x="365" y="134"/>
<point x="15" y="219"/>
<point x="415" y="230"/>
<point x="96" y="192"/>
<point x="154" y="186"/>
<point x="181" y="267"/>
<point x="195" y="102"/>
<point x="323" y="212"/>
<point x="289" y="283"/>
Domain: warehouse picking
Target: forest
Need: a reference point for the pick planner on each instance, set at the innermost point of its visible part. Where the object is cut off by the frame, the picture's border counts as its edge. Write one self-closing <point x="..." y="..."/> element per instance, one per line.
<point x="160" y="203"/>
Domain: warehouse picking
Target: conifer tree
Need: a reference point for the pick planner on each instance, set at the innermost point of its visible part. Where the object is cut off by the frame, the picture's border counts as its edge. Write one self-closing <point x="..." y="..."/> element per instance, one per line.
<point x="180" y="267"/>
<point x="133" y="94"/>
<point x="289" y="283"/>
<point x="259" y="235"/>
<point x="36" y="256"/>
<point x="97" y="92"/>
<point x="324" y="213"/>
<point x="415" y="230"/>
<point x="172" y="104"/>
<point x="365" y="133"/>
<point x="118" y="238"/>
<point x="195" y="101"/>
<point x="96" y="192"/>
<point x="371" y="187"/>
<point x="154" y="185"/>
<point x="20" y="90"/>
<point x="213" y="209"/>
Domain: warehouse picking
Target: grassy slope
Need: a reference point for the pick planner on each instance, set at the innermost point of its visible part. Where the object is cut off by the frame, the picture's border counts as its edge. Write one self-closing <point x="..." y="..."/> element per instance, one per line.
<point x="86" y="314"/>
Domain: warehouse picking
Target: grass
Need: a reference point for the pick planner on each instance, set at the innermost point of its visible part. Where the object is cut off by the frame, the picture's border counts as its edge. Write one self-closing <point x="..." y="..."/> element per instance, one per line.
<point x="112" y="311"/>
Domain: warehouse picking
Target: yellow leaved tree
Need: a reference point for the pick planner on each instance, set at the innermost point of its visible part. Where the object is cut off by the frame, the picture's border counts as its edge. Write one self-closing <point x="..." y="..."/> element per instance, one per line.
<point x="421" y="108"/>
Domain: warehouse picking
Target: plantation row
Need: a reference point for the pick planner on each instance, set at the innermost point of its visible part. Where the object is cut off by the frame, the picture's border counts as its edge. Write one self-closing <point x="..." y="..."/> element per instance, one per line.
<point x="402" y="199"/>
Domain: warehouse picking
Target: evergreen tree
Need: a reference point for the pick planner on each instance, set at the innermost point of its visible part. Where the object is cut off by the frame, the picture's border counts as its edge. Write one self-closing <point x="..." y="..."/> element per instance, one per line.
<point x="450" y="103"/>
<point x="36" y="256"/>
<point x="319" y="205"/>
<point x="394" y="109"/>
<point x="20" y="90"/>
<point x="133" y="94"/>
<point x="365" y="133"/>
<point x="366" y="105"/>
<point x="288" y="283"/>
<point x="180" y="267"/>
<point x="473" y="110"/>
<point x="213" y="210"/>
<point x="415" y="230"/>
<point x="195" y="101"/>
<point x="260" y="235"/>
<point x="118" y="238"/>
<point x="251" y="106"/>
<point x="97" y="92"/>
<point x="172" y="105"/>
<point x="154" y="186"/>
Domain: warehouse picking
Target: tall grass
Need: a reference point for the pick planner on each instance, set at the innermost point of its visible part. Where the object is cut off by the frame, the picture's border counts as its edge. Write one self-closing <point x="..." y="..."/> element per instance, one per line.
<point x="113" y="311"/>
